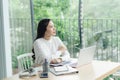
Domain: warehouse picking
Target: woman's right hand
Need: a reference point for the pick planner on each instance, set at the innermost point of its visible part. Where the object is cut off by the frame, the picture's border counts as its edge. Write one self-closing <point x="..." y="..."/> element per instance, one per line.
<point x="56" y="60"/>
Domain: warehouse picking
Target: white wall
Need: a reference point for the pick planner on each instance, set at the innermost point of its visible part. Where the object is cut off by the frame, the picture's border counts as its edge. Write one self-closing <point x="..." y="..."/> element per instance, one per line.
<point x="5" y="50"/>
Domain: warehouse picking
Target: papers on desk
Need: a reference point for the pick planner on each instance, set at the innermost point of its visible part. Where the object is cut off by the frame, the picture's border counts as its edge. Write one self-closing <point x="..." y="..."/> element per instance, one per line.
<point x="27" y="73"/>
<point x="60" y="64"/>
<point x="62" y="70"/>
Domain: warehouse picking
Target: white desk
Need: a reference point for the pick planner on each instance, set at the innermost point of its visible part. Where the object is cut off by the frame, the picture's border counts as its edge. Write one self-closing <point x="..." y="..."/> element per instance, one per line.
<point x="97" y="70"/>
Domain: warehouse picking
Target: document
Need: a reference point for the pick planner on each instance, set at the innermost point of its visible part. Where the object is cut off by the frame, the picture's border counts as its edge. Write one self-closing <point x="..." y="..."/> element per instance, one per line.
<point x="60" y="64"/>
<point x="63" y="70"/>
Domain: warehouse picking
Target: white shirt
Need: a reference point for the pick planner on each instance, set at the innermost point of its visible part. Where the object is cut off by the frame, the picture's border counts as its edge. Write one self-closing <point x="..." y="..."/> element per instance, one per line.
<point x="48" y="49"/>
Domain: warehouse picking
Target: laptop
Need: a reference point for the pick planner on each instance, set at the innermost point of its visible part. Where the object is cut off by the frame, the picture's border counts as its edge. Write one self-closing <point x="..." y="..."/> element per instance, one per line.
<point x="85" y="56"/>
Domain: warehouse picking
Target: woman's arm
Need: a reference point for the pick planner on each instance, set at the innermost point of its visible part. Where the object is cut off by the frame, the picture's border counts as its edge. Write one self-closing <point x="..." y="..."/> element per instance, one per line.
<point x="62" y="52"/>
<point x="62" y="48"/>
<point x="65" y="56"/>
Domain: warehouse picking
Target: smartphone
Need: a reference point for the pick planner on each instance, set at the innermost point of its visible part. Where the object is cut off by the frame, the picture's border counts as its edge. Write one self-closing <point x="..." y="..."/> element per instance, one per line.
<point x="44" y="75"/>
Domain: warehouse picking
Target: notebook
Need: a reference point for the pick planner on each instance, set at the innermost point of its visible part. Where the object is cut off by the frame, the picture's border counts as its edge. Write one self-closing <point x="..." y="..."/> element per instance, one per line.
<point x="63" y="70"/>
<point x="85" y="56"/>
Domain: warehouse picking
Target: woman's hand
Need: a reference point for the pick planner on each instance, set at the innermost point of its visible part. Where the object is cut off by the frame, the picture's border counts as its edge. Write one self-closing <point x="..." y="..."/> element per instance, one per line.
<point x="61" y="48"/>
<point x="56" y="60"/>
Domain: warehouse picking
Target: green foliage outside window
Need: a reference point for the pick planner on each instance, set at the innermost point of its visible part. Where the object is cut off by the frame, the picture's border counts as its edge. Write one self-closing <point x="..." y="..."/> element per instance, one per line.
<point x="65" y="18"/>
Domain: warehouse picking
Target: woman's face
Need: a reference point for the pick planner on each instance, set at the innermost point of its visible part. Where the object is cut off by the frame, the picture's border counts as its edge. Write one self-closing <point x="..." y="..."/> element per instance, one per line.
<point x="50" y="29"/>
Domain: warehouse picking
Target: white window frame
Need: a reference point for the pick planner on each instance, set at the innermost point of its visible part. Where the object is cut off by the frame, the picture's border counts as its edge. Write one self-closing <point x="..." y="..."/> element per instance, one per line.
<point x="5" y="47"/>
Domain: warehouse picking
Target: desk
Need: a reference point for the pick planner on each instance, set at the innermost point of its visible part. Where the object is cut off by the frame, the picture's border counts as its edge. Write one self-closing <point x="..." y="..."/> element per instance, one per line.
<point x="97" y="70"/>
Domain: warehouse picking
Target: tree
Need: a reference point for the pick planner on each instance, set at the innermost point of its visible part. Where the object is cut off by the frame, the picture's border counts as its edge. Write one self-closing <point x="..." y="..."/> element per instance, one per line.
<point x="64" y="14"/>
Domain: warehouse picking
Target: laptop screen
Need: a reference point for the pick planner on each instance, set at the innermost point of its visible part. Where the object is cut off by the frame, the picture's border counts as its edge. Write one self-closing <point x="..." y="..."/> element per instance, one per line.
<point x="86" y="55"/>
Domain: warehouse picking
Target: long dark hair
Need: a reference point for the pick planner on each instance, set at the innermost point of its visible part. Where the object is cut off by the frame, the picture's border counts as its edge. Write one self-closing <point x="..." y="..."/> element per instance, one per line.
<point x="41" y="31"/>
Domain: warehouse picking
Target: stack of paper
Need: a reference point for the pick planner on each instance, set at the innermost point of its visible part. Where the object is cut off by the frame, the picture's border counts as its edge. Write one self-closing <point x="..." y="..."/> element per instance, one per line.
<point x="27" y="73"/>
<point x="61" y="70"/>
<point x="60" y="64"/>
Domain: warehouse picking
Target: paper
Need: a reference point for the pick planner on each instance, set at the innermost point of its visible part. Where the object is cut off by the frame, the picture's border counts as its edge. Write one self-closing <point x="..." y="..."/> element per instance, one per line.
<point x="69" y="71"/>
<point x="60" y="64"/>
<point x="61" y="68"/>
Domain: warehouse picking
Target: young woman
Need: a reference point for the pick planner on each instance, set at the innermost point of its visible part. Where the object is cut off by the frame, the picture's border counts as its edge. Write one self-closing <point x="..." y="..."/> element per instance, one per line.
<point x="47" y="45"/>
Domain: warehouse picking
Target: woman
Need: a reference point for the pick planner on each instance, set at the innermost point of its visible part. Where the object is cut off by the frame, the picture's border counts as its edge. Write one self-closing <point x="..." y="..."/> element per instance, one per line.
<point x="47" y="46"/>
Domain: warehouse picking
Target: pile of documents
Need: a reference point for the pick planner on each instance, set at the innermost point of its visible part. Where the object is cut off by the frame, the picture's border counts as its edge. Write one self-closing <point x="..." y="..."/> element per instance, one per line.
<point x="62" y="70"/>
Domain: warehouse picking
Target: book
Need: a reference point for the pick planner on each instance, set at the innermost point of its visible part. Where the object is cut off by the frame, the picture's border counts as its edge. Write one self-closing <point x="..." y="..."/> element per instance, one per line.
<point x="62" y="70"/>
<point x="60" y="64"/>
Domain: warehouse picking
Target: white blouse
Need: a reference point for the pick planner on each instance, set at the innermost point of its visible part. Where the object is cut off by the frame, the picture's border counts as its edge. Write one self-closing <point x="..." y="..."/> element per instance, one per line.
<point x="48" y="49"/>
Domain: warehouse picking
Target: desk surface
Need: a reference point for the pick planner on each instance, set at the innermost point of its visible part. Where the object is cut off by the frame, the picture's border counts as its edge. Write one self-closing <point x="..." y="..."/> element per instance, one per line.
<point x="97" y="70"/>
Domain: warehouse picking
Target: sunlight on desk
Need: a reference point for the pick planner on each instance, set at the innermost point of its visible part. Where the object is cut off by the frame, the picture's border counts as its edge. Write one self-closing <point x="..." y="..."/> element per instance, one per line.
<point x="97" y="70"/>
<point x="103" y="69"/>
<point x="86" y="72"/>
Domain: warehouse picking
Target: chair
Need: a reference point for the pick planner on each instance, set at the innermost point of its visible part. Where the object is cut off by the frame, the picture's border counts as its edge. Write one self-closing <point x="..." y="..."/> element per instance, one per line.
<point x="116" y="75"/>
<point x="25" y="61"/>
